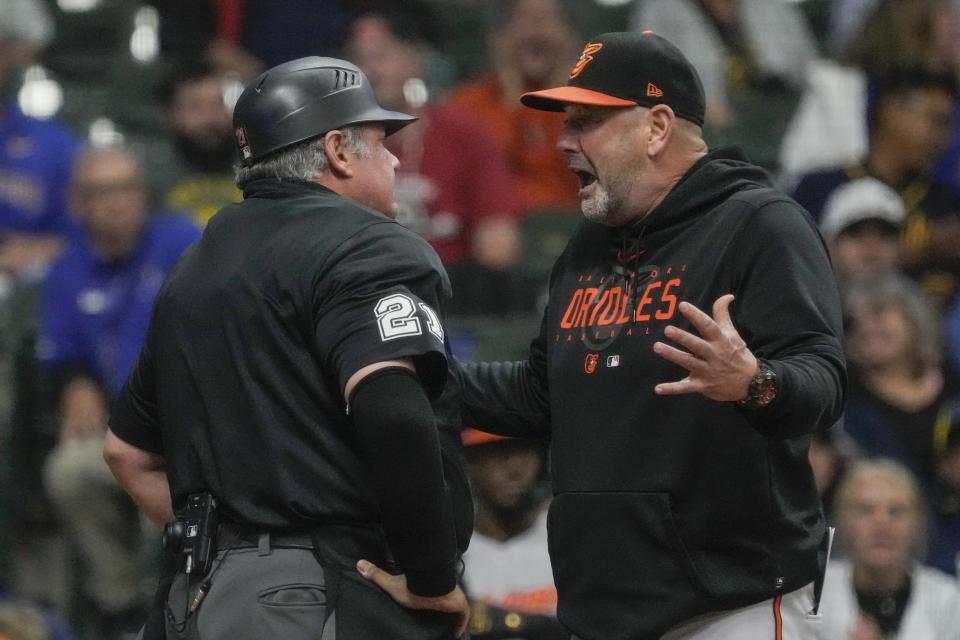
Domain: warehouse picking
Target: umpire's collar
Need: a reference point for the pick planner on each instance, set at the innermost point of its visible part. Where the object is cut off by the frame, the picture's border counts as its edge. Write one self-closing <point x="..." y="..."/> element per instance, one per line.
<point x="273" y="188"/>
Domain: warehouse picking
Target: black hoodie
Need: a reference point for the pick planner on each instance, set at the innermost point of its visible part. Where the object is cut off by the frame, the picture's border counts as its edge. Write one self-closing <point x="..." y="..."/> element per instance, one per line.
<point x="667" y="507"/>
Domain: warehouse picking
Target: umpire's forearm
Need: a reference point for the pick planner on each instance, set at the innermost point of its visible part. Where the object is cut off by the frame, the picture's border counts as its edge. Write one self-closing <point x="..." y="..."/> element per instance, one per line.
<point x="142" y="475"/>
<point x="397" y="431"/>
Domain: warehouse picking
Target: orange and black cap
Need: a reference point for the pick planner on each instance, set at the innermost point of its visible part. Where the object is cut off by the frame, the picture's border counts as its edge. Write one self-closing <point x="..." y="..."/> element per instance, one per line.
<point x="626" y="70"/>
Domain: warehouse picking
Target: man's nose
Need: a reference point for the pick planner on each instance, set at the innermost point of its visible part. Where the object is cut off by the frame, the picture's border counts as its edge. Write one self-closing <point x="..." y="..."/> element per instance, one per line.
<point x="566" y="141"/>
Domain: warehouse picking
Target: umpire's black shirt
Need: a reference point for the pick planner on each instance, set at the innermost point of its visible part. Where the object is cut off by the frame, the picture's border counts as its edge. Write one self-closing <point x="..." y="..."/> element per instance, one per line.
<point x="258" y="327"/>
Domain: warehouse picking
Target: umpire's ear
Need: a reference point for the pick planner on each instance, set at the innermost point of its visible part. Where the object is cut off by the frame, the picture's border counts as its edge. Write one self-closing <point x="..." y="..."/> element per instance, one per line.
<point x="338" y="152"/>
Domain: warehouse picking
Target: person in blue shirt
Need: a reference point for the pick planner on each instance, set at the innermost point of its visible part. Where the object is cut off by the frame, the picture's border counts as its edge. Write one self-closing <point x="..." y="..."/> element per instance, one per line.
<point x="35" y="160"/>
<point x="95" y="307"/>
<point x="35" y="155"/>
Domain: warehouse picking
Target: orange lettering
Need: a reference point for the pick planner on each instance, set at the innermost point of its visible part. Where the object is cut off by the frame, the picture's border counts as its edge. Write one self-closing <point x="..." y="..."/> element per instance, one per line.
<point x="597" y="307"/>
<point x="645" y="300"/>
<point x="567" y="322"/>
<point x="624" y="316"/>
<point x="580" y="320"/>
<point x="670" y="299"/>
<point x="613" y="307"/>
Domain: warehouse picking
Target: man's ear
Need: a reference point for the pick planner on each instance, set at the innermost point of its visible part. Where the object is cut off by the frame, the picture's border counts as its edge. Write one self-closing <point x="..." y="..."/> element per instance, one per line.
<point x="661" y="122"/>
<point x="335" y="148"/>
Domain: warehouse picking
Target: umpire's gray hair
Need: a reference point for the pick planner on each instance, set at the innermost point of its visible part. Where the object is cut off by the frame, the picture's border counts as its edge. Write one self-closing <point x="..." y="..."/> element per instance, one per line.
<point x="304" y="161"/>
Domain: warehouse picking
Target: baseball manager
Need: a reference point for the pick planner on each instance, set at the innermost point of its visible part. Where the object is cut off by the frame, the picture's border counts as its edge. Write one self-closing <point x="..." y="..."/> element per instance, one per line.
<point x="690" y="346"/>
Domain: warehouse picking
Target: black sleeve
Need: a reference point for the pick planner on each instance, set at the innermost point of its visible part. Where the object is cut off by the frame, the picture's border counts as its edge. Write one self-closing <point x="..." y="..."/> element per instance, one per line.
<point x="397" y="431"/>
<point x="134" y="417"/>
<point x="787" y="309"/>
<point x="508" y="398"/>
<point x="380" y="298"/>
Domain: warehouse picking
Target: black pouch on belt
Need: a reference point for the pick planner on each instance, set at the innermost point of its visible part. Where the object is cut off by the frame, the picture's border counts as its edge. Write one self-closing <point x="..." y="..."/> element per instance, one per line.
<point x="362" y="610"/>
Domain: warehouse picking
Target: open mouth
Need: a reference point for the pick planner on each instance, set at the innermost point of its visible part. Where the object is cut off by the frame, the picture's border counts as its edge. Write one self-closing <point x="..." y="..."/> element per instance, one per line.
<point x="586" y="178"/>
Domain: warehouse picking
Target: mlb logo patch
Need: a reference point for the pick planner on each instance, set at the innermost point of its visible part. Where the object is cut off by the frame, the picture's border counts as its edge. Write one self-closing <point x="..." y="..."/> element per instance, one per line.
<point x="613" y="361"/>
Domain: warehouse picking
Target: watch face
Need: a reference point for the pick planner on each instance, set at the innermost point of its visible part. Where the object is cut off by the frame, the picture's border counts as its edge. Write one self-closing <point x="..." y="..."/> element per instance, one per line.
<point x="763" y="389"/>
<point x="766" y="391"/>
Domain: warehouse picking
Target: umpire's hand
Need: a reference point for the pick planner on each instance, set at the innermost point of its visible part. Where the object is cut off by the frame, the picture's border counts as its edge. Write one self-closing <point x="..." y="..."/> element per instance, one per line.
<point x="454" y="602"/>
<point x="719" y="364"/>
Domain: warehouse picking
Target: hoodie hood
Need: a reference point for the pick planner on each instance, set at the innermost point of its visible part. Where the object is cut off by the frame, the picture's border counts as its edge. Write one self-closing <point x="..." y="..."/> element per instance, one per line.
<point x="710" y="181"/>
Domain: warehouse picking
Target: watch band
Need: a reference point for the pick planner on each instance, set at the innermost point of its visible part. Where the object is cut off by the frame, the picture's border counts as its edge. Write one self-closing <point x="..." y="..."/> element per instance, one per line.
<point x="762" y="389"/>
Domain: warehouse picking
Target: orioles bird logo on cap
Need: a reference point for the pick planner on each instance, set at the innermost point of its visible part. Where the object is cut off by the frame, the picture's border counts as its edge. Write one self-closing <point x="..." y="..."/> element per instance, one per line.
<point x="585" y="58"/>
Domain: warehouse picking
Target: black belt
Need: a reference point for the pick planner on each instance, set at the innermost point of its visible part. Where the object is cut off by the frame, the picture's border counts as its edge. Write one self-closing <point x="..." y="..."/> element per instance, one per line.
<point x="231" y="536"/>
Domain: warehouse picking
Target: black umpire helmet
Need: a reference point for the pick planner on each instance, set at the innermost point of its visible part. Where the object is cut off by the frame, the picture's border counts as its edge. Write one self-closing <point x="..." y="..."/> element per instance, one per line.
<point x="302" y="99"/>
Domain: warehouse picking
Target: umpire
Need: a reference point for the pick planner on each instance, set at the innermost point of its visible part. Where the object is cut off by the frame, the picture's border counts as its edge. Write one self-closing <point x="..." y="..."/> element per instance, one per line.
<point x="285" y="416"/>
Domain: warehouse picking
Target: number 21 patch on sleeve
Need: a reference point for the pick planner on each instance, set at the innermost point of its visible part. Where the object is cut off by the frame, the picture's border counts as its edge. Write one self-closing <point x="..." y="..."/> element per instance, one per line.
<point x="399" y="316"/>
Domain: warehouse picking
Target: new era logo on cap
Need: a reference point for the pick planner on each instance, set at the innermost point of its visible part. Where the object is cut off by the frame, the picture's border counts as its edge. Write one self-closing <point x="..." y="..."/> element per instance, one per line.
<point x="628" y="69"/>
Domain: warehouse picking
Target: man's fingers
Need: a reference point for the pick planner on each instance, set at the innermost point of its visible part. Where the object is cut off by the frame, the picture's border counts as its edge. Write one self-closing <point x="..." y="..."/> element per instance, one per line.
<point x="721" y="310"/>
<point x="389" y="583"/>
<point x="396" y="587"/>
<point x="701" y="321"/>
<point x="694" y="344"/>
<point x="676" y="356"/>
<point x="675" y="388"/>
<point x="367" y="569"/>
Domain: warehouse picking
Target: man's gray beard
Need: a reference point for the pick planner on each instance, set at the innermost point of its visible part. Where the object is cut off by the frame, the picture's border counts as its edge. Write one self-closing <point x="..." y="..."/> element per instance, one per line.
<point x="602" y="208"/>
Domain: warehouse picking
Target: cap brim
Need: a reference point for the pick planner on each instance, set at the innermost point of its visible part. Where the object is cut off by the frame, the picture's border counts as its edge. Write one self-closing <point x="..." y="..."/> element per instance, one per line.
<point x="472" y="437"/>
<point x="557" y="99"/>
<point x="392" y="121"/>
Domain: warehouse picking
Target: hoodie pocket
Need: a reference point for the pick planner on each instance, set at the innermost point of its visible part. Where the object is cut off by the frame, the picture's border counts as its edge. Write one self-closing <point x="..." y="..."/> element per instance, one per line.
<point x="620" y="556"/>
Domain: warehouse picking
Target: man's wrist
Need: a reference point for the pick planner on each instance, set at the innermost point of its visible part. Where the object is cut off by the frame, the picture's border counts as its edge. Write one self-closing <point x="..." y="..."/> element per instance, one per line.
<point x="762" y="389"/>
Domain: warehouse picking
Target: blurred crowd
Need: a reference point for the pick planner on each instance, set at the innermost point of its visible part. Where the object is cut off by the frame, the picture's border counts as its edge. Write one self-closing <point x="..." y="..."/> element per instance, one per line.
<point x="116" y="148"/>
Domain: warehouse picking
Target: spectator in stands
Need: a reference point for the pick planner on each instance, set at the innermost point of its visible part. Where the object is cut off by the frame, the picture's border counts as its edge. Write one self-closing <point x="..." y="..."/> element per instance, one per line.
<point x="830" y="126"/>
<point x="532" y="47"/>
<point x="910" y="121"/>
<point x="18" y="622"/>
<point x="861" y="223"/>
<point x="244" y="37"/>
<point x="912" y="34"/>
<point x="201" y="126"/>
<point x="507" y="572"/>
<point x="453" y="183"/>
<point x="95" y="307"/>
<point x="905" y="34"/>
<point x="897" y="385"/>
<point x="880" y="592"/>
<point x="21" y="620"/>
<point x="752" y="57"/>
<point x="944" y="553"/>
<point x="35" y="155"/>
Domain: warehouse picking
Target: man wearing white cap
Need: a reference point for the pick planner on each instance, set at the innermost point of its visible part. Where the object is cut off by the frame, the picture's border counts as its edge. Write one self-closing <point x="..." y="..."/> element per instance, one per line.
<point x="861" y="223"/>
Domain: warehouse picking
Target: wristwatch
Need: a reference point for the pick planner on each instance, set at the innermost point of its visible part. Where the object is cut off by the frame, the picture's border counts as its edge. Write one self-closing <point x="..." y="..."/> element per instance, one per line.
<point x="762" y="389"/>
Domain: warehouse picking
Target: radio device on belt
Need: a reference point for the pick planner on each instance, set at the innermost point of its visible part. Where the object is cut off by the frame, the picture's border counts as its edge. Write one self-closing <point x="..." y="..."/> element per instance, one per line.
<point x="191" y="537"/>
